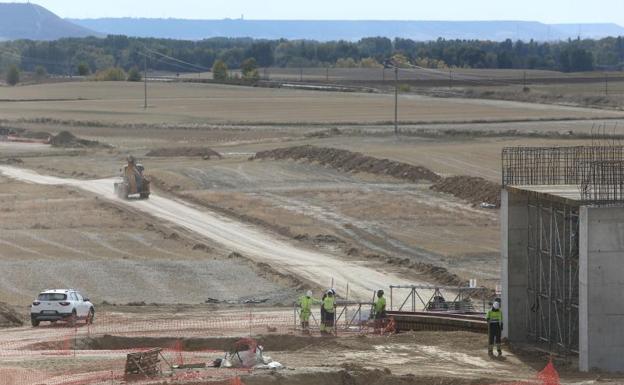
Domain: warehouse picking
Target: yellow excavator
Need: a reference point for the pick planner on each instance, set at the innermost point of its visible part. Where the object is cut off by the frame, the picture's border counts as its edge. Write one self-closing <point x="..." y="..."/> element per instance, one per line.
<point x="134" y="183"/>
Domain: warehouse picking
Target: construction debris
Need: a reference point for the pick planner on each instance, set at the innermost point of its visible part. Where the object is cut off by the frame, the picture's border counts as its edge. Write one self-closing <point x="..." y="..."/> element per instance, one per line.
<point x="146" y="363"/>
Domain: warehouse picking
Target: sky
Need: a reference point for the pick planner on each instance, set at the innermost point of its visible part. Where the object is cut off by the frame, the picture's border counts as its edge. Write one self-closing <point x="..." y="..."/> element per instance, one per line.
<point x="548" y="11"/>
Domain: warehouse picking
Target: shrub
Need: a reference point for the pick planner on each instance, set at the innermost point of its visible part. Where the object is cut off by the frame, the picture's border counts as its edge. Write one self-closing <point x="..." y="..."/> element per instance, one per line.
<point x="83" y="69"/>
<point x="40" y="73"/>
<point x="134" y="75"/>
<point x="113" y="74"/>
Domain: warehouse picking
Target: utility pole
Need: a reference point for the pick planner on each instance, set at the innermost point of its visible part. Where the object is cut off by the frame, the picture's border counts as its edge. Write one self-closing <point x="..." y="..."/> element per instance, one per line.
<point x="524" y="81"/>
<point x="396" y="100"/>
<point x="145" y="81"/>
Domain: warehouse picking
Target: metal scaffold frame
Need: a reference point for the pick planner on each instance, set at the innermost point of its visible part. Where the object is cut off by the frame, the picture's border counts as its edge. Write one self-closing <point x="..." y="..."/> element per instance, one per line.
<point x="553" y="275"/>
<point x="597" y="171"/>
<point x="429" y="298"/>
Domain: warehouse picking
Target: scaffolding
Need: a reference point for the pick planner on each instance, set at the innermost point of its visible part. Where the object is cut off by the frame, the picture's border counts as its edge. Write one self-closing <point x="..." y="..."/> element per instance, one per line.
<point x="553" y="275"/>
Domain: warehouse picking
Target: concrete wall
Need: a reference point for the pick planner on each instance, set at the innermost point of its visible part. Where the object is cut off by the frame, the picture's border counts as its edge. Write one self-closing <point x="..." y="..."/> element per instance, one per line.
<point x="514" y="247"/>
<point x="601" y="288"/>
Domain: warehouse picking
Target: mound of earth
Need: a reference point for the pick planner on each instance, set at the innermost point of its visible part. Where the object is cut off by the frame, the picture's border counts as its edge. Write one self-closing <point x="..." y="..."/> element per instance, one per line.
<point x="9" y="317"/>
<point x="204" y="152"/>
<point x="474" y="189"/>
<point x="345" y="160"/>
<point x="67" y="139"/>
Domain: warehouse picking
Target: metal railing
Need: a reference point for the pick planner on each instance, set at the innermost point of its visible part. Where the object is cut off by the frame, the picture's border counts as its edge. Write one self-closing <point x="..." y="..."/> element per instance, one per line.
<point x="428" y="298"/>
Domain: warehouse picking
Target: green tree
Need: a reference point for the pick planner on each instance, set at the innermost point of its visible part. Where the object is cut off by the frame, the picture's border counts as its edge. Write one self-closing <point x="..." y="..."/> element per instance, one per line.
<point x="134" y="75"/>
<point x="219" y="70"/>
<point x="83" y="69"/>
<point x="13" y="75"/>
<point x="249" y="68"/>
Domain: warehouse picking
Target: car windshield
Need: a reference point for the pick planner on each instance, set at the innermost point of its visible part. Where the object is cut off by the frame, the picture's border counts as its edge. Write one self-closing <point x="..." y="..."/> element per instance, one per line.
<point x="52" y="297"/>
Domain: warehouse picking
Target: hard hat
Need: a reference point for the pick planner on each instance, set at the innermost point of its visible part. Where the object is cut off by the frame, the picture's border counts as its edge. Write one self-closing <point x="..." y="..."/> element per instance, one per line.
<point x="380" y="293"/>
<point x="309" y="293"/>
<point x="496" y="305"/>
<point x="333" y="290"/>
<point x="330" y="292"/>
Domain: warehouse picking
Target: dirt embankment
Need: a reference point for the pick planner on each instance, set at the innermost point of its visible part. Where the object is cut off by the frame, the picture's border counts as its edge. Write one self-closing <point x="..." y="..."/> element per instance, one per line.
<point x="203" y="152"/>
<point x="348" y="161"/>
<point x="67" y="139"/>
<point x="472" y="189"/>
<point x="9" y="317"/>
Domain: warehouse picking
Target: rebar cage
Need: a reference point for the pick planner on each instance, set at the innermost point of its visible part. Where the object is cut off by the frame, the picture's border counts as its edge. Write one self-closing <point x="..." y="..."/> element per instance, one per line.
<point x="596" y="170"/>
<point x="553" y="275"/>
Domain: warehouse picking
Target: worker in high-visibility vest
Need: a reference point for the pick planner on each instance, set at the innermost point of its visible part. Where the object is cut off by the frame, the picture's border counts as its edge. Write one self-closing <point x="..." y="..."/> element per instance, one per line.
<point x="329" y="307"/>
<point x="379" y="309"/>
<point x="494" y="319"/>
<point x="305" y="303"/>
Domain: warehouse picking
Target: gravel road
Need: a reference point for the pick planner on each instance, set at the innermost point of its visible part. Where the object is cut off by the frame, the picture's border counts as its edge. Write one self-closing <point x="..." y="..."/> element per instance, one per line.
<point x="248" y="240"/>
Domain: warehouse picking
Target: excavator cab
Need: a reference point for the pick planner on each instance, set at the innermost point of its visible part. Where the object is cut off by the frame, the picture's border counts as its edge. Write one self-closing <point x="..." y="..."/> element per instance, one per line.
<point x="134" y="183"/>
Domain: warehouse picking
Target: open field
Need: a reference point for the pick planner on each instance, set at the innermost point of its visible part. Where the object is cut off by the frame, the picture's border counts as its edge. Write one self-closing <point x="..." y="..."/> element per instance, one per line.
<point x="295" y="224"/>
<point x="180" y="103"/>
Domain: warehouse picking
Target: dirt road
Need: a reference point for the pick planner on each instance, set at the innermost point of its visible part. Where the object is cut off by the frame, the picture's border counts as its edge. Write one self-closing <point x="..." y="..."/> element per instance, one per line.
<point x="250" y="241"/>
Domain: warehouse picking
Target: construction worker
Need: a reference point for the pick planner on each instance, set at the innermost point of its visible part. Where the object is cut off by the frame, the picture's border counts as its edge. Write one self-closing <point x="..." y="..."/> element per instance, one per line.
<point x="305" y="304"/>
<point x="494" y="319"/>
<point x="329" y="307"/>
<point x="323" y="313"/>
<point x="379" y="309"/>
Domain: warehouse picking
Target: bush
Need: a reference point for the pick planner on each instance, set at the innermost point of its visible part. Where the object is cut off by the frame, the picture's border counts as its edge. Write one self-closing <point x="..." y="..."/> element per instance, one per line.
<point x="346" y="63"/>
<point x="370" y="62"/>
<point x="220" y="70"/>
<point x="13" y="75"/>
<point x="113" y="74"/>
<point x="83" y="69"/>
<point x="404" y="88"/>
<point x="134" y="75"/>
<point x="40" y="73"/>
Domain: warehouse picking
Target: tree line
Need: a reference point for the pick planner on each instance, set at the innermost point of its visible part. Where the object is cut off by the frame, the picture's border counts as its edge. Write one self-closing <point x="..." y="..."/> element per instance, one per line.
<point x="88" y="55"/>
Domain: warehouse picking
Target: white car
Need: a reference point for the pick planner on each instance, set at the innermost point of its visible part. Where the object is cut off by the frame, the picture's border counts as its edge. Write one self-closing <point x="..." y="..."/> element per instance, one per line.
<point x="61" y="305"/>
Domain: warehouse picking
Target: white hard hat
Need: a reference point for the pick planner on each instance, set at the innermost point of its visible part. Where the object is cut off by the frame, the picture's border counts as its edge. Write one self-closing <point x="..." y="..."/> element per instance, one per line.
<point x="309" y="293"/>
<point x="496" y="305"/>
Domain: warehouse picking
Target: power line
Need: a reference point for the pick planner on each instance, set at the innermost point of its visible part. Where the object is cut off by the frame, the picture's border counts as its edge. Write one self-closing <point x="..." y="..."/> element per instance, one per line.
<point x="196" y="66"/>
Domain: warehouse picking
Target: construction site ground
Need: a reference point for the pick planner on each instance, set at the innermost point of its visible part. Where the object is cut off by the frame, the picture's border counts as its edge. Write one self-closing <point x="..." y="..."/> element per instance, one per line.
<point x="259" y="230"/>
<point x="425" y="357"/>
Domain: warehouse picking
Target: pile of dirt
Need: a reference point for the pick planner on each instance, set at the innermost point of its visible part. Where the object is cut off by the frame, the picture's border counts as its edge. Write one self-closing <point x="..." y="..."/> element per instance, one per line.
<point x="203" y="152"/>
<point x="9" y="317"/>
<point x="67" y="139"/>
<point x="474" y="189"/>
<point x="348" y="161"/>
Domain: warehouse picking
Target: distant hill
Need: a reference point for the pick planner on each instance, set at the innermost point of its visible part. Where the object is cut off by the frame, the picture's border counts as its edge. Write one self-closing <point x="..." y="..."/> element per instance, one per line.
<point x="347" y="30"/>
<point x="30" y="21"/>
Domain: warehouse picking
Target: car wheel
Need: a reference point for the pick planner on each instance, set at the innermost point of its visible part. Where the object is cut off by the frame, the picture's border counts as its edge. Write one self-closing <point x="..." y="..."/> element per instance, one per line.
<point x="71" y="321"/>
<point x="34" y="322"/>
<point x="90" y="316"/>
